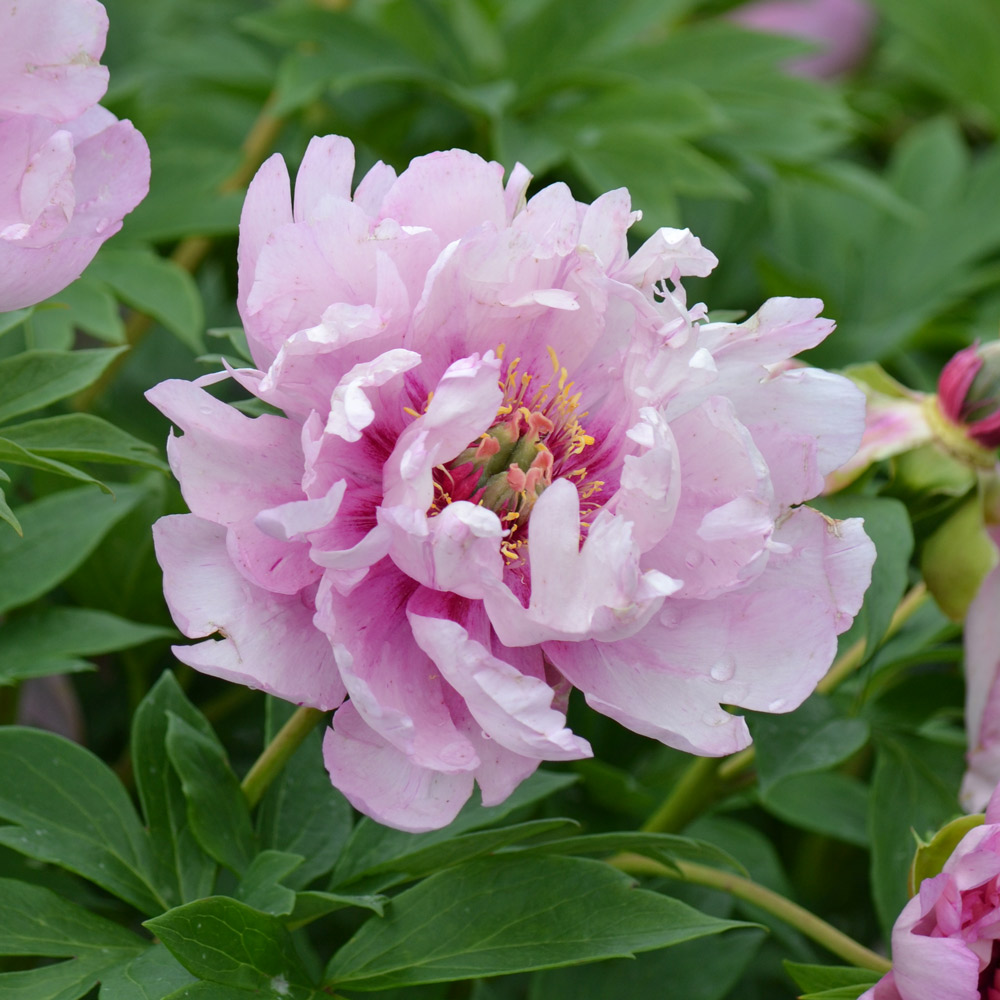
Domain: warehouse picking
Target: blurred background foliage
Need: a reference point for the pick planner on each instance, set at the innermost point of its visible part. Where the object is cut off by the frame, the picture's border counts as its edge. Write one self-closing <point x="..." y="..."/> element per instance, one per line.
<point x="876" y="191"/>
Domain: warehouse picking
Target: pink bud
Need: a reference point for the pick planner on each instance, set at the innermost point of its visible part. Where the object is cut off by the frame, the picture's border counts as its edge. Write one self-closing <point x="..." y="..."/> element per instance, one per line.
<point x="969" y="392"/>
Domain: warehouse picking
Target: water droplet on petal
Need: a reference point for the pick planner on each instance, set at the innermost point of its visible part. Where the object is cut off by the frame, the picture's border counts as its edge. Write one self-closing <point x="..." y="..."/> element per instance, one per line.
<point x="777" y="705"/>
<point x="693" y="559"/>
<point x="723" y="669"/>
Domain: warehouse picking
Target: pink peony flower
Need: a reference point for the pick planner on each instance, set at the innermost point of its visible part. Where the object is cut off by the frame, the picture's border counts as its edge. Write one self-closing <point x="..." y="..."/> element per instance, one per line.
<point x="511" y="459"/>
<point x="842" y="28"/>
<point x="69" y="170"/>
<point x="944" y="943"/>
<point x="982" y="690"/>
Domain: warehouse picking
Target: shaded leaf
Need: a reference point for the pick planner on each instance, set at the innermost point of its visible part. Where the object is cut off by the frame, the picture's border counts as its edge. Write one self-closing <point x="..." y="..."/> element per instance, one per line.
<point x="33" y="379"/>
<point x="227" y="942"/>
<point x="60" y="531"/>
<point x="67" y="807"/>
<point x="183" y="869"/>
<point x="217" y="810"/>
<point x="530" y="913"/>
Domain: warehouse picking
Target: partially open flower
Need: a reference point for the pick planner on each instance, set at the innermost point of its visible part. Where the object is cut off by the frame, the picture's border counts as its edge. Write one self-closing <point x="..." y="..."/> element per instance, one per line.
<point x="512" y="459"/>
<point x="69" y="170"/>
<point x="946" y="942"/>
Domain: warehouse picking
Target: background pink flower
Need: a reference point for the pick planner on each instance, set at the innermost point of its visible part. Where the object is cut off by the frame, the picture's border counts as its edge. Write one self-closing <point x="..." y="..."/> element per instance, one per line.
<point x="69" y="170"/>
<point x="944" y="942"/>
<point x="512" y="460"/>
<point x="842" y="28"/>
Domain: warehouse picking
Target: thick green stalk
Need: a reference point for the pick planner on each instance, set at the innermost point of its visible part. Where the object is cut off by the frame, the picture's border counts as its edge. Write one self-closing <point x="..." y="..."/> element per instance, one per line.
<point x="277" y="752"/>
<point x="803" y="920"/>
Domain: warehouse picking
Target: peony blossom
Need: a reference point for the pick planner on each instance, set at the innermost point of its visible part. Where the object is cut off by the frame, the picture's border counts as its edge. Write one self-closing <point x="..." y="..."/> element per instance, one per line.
<point x="69" y="170"/>
<point x="944" y="943"/>
<point x="982" y="690"/>
<point x="509" y="460"/>
<point x="841" y="28"/>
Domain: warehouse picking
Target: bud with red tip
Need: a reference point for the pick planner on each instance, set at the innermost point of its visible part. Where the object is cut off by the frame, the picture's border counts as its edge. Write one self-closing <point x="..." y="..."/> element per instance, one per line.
<point x="969" y="393"/>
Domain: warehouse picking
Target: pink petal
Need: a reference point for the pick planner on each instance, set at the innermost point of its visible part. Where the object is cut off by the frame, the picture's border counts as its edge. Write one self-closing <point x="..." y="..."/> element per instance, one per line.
<point x="325" y="174"/>
<point x="384" y="783"/>
<point x="982" y="691"/>
<point x="268" y="639"/>
<point x="512" y="707"/>
<point x="230" y="466"/>
<point x="49" y="55"/>
<point x="577" y="592"/>
<point x="451" y="192"/>
<point x="393" y="685"/>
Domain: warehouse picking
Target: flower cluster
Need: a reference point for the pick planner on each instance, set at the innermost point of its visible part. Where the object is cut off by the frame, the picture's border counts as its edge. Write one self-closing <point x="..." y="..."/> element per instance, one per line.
<point x="69" y="170"/>
<point x="511" y="460"/>
<point x="946" y="942"/>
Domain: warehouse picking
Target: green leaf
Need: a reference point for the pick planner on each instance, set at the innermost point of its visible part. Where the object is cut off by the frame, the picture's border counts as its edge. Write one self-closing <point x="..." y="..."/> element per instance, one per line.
<point x="183" y="869"/>
<point x="832" y="804"/>
<point x="957" y="557"/>
<point x="457" y="850"/>
<point x="88" y="305"/>
<point x="840" y="992"/>
<point x="665" y="847"/>
<point x="157" y="287"/>
<point x="302" y="813"/>
<point x="216" y="807"/>
<point x="82" y="437"/>
<point x="311" y="905"/>
<point x="14" y="454"/>
<point x="684" y="967"/>
<point x="154" y="975"/>
<point x="35" y="921"/>
<point x="530" y="913"/>
<point x="913" y="789"/>
<point x="372" y="845"/>
<point x="224" y="941"/>
<point x="6" y="514"/>
<point x="812" y="738"/>
<point x="954" y="48"/>
<point x="262" y="886"/>
<point x="67" y="980"/>
<point x="33" y="379"/>
<point x="60" y="531"/>
<point x="50" y="641"/>
<point x="12" y="320"/>
<point x="67" y="807"/>
<point x="815" y="978"/>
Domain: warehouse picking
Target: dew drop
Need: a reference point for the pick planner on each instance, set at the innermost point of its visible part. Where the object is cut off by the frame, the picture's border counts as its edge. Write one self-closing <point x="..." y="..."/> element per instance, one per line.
<point x="693" y="559"/>
<point x="777" y="705"/>
<point x="723" y="669"/>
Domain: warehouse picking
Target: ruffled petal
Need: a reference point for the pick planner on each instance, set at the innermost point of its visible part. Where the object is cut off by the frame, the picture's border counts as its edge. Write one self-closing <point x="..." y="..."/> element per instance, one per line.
<point x="268" y="639"/>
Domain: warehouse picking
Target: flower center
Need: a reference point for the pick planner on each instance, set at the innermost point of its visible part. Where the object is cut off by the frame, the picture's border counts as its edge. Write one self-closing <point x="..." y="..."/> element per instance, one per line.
<point x="537" y="437"/>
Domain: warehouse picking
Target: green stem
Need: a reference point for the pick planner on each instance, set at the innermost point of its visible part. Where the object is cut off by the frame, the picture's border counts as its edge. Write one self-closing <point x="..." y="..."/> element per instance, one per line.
<point x="277" y="752"/>
<point x="694" y="792"/>
<point x="771" y="902"/>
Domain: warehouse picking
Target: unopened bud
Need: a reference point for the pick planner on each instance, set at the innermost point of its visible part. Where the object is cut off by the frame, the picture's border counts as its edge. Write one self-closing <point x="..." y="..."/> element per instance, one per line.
<point x="969" y="393"/>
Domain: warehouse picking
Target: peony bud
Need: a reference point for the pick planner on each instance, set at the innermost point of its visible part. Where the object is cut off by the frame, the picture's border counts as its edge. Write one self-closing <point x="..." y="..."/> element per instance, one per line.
<point x="969" y="392"/>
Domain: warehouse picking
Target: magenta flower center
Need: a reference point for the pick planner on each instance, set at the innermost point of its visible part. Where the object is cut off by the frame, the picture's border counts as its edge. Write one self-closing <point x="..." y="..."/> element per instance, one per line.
<point x="537" y="437"/>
